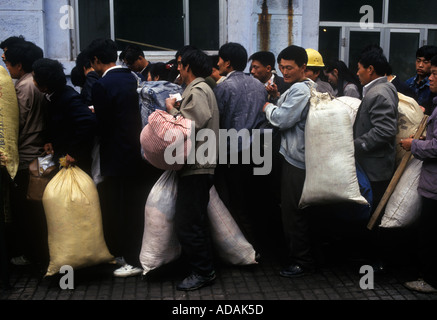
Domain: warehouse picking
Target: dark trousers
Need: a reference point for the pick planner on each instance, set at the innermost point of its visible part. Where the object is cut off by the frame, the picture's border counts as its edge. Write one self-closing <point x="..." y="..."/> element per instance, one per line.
<point x="29" y="235"/>
<point x="122" y="201"/>
<point x="191" y="221"/>
<point x="296" y="221"/>
<point x="4" y="263"/>
<point x="427" y="242"/>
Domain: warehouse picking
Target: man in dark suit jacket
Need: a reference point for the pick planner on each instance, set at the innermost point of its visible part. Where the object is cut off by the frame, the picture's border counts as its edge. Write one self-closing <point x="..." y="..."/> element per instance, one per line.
<point x="121" y="192"/>
<point x="263" y="68"/>
<point x="133" y="57"/>
<point x="71" y="124"/>
<point x="375" y="126"/>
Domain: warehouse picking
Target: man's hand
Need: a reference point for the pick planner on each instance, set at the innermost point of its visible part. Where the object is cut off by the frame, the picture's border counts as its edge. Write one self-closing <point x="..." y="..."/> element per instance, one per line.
<point x="406" y="144"/>
<point x="69" y="160"/>
<point x="272" y="90"/>
<point x="171" y="103"/>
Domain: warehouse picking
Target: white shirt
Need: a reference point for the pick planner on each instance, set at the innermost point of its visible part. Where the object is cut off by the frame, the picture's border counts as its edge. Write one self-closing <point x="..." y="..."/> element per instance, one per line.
<point x="114" y="67"/>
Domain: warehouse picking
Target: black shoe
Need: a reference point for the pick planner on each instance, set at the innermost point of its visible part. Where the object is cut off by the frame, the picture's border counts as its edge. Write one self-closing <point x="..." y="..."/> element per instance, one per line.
<point x="295" y="270"/>
<point x="195" y="281"/>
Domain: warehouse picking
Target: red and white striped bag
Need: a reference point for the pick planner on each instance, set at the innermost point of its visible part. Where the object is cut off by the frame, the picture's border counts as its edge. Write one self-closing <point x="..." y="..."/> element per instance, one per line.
<point x="165" y="140"/>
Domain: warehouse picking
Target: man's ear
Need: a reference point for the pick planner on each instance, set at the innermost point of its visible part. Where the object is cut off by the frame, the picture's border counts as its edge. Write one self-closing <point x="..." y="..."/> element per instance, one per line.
<point x="269" y="68"/>
<point x="371" y="69"/>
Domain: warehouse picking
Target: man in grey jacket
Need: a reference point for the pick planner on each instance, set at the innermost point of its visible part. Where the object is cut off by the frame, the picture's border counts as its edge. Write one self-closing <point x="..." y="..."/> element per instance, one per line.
<point x="375" y="130"/>
<point x="195" y="180"/>
<point x="375" y="125"/>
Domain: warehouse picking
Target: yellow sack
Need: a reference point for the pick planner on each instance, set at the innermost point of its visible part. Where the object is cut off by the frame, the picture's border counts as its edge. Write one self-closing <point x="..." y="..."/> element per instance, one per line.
<point x="74" y="221"/>
<point x="9" y="123"/>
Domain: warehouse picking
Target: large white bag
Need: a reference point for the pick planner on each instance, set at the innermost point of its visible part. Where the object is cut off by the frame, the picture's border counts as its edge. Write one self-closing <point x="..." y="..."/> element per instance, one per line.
<point x="160" y="244"/>
<point x="410" y="116"/>
<point x="404" y="205"/>
<point x="331" y="175"/>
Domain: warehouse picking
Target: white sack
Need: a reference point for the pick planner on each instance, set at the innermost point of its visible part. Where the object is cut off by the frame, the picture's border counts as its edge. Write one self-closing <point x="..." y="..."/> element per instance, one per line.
<point x="331" y="175"/>
<point x="404" y="205"/>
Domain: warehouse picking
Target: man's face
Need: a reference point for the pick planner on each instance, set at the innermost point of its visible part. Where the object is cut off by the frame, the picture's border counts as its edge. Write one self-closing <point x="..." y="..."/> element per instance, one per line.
<point x="183" y="71"/>
<point x="311" y="74"/>
<point x="291" y="71"/>
<point x="135" y="66"/>
<point x="14" y="71"/>
<point x="223" y="67"/>
<point x="364" y="74"/>
<point x="433" y="79"/>
<point x="260" y="72"/>
<point x="423" y="67"/>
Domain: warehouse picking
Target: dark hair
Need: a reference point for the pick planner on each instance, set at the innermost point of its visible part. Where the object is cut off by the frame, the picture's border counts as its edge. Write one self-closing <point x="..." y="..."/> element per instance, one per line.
<point x="25" y="53"/>
<point x="345" y="75"/>
<point x="49" y="73"/>
<point x="131" y="53"/>
<point x="184" y="50"/>
<point x="434" y="61"/>
<point x="199" y="62"/>
<point x="104" y="49"/>
<point x="214" y="60"/>
<point x="173" y="74"/>
<point x="78" y="77"/>
<point x="295" y="53"/>
<point x="375" y="58"/>
<point x="161" y="70"/>
<point x="11" y="41"/>
<point x="427" y="52"/>
<point x="235" y="53"/>
<point x="266" y="58"/>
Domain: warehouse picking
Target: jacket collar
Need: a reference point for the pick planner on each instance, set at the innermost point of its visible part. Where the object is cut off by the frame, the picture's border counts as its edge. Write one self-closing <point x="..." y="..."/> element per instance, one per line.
<point x="373" y="83"/>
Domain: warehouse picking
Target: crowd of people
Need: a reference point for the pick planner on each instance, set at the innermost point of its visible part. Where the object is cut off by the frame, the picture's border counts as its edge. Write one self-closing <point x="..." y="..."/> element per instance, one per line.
<point x="103" y="118"/>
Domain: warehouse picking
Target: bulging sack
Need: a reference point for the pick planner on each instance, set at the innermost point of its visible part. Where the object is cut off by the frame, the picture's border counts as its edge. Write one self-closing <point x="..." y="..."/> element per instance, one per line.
<point x="404" y="205"/>
<point x="165" y="140"/>
<point x="331" y="175"/>
<point x="74" y="221"/>
<point x="410" y="116"/>
<point x="9" y="123"/>
<point x="160" y="244"/>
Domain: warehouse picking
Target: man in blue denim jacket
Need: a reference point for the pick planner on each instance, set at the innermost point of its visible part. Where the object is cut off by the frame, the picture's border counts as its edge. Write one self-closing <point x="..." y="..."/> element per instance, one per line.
<point x="420" y="82"/>
<point x="290" y="115"/>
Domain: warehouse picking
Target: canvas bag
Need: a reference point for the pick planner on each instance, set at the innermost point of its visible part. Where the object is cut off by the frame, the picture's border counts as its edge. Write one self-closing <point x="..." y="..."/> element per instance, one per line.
<point x="74" y="221"/>
<point x="405" y="203"/>
<point x="410" y="116"/>
<point x="41" y="171"/>
<point x="9" y="123"/>
<point x="331" y="175"/>
<point x="165" y="131"/>
<point x="160" y="244"/>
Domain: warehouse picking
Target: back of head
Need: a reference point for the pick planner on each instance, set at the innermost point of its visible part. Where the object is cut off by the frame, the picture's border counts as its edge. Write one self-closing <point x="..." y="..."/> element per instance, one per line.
<point x="266" y="58"/>
<point x="427" y="52"/>
<point x="199" y="62"/>
<point x="161" y="70"/>
<point x="49" y="73"/>
<point x="103" y="49"/>
<point x="375" y="58"/>
<point x="235" y="53"/>
<point x="24" y="52"/>
<point x="295" y="53"/>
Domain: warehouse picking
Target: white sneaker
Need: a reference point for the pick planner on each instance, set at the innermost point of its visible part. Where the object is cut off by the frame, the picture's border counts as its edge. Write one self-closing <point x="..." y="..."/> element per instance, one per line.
<point x="20" y="261"/>
<point x="127" y="271"/>
<point x="120" y="261"/>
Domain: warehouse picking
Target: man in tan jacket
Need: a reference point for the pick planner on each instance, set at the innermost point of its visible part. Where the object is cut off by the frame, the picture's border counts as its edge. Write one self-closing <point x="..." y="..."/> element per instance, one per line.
<point x="196" y="177"/>
<point x="32" y="107"/>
